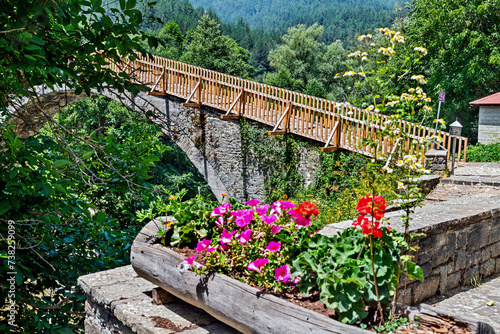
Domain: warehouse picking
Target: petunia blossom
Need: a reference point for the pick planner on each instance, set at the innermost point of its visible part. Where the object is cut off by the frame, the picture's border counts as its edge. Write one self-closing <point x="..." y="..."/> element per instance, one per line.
<point x="244" y="218"/>
<point x="274" y="246"/>
<point x="262" y="209"/>
<point x="257" y="264"/>
<point x="220" y="210"/>
<point x="282" y="274"/>
<point x="189" y="260"/>
<point x="269" y="219"/>
<point x="275" y="229"/>
<point x="210" y="249"/>
<point x="253" y="202"/>
<point x="303" y="221"/>
<point x="220" y="221"/>
<point x="202" y="245"/>
<point x="226" y="237"/>
<point x="245" y="236"/>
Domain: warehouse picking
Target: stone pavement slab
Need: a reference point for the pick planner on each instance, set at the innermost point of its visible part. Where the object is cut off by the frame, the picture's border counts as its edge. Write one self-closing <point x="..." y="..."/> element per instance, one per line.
<point x="482" y="303"/>
<point x="120" y="302"/>
<point x="476" y="173"/>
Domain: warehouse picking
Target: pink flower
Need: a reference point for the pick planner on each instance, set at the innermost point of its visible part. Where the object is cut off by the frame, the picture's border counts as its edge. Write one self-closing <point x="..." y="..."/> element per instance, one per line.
<point x="210" y="249"/>
<point x="296" y="280"/>
<point x="274" y="246"/>
<point x="303" y="221"/>
<point x="262" y="209"/>
<point x="220" y="221"/>
<point x="202" y="245"/>
<point x="253" y="202"/>
<point x="220" y="210"/>
<point x="189" y="260"/>
<point x="257" y="264"/>
<point x="244" y="218"/>
<point x="280" y="206"/>
<point x="294" y="214"/>
<point x="282" y="273"/>
<point x="275" y="229"/>
<point x="225" y="237"/>
<point x="269" y="219"/>
<point x="245" y="236"/>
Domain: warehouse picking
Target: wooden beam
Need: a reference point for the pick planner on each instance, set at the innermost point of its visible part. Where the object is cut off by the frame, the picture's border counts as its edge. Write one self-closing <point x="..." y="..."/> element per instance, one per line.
<point x="193" y="105"/>
<point x="275" y="133"/>
<point x="327" y="147"/>
<point x="157" y="93"/>
<point x="191" y="95"/>
<point x="231" y="108"/>
<point x="158" y="80"/>
<point x="230" y="117"/>
<point x="161" y="297"/>
<point x="281" y="120"/>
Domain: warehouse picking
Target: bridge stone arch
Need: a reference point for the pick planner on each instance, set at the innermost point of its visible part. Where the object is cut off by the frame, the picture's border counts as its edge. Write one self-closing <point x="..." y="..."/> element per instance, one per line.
<point x="213" y="145"/>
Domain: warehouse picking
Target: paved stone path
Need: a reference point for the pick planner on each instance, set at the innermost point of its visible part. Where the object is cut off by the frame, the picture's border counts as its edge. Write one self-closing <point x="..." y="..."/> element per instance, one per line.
<point x="476" y="173"/>
<point x="481" y="302"/>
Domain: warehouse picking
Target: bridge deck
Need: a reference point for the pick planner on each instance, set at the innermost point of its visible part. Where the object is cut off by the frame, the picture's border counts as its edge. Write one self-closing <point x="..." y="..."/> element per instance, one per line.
<point x="335" y="125"/>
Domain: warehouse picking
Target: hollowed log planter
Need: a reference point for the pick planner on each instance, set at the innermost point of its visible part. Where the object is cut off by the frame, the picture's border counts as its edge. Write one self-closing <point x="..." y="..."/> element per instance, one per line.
<point x="240" y="306"/>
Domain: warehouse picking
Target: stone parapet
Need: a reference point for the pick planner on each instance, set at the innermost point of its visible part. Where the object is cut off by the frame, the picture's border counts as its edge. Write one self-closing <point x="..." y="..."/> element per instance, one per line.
<point x="120" y="302"/>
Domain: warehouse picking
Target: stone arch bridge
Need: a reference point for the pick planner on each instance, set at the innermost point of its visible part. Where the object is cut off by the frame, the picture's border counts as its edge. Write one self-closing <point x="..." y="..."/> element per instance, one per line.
<point x="199" y="110"/>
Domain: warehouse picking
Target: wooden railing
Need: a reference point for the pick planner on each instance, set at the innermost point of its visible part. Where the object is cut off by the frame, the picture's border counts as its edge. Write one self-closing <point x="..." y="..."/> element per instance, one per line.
<point x="334" y="125"/>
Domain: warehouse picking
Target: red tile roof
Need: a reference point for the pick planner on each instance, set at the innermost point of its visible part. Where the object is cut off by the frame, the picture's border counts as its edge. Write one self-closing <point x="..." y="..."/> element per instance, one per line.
<point x="493" y="99"/>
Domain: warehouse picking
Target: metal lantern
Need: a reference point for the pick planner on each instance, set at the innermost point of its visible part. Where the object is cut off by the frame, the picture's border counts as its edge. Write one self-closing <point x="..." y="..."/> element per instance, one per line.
<point x="455" y="128"/>
<point x="455" y="131"/>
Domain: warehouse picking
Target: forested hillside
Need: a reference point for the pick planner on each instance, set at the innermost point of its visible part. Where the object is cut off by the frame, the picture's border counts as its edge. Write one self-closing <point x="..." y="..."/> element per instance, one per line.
<point x="342" y="19"/>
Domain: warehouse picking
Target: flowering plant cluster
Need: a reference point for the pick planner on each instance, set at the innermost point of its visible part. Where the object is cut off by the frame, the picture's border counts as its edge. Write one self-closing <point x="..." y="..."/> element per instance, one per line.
<point x="255" y="243"/>
<point x="379" y="74"/>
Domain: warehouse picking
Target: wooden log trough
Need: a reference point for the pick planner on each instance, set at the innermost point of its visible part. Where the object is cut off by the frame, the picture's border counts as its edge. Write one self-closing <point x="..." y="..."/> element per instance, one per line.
<point x="248" y="309"/>
<point x="239" y="305"/>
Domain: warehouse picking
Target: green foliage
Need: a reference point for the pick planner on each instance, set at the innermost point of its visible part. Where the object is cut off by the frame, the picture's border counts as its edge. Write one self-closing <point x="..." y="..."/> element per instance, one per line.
<point x="62" y="230"/>
<point x="55" y="43"/>
<point x="191" y="216"/>
<point x="304" y="63"/>
<point x="392" y="325"/>
<point x="341" y="268"/>
<point x="340" y="18"/>
<point x="463" y="39"/>
<point x="207" y="48"/>
<point x="275" y="156"/>
<point x="484" y="153"/>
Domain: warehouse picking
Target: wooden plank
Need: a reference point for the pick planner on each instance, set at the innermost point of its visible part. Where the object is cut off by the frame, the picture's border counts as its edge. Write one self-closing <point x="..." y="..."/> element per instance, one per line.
<point x="230" y="117"/>
<point x="274" y="133"/>
<point x="194" y="105"/>
<point x="161" y="297"/>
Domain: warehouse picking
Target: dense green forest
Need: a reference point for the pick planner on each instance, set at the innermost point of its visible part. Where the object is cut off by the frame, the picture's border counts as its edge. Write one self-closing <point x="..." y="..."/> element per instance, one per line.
<point x="342" y="19"/>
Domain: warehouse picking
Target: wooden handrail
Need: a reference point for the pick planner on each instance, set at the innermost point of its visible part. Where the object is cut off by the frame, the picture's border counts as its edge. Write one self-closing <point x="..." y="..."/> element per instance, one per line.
<point x="307" y="116"/>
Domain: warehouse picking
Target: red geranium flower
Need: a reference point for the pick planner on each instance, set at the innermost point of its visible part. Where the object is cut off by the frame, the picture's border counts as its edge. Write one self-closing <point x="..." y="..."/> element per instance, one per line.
<point x="372" y="205"/>
<point x="307" y="209"/>
<point x="367" y="227"/>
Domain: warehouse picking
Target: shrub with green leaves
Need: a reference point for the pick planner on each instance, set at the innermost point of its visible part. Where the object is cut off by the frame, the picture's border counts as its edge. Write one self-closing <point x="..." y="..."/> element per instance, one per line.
<point x="484" y="153"/>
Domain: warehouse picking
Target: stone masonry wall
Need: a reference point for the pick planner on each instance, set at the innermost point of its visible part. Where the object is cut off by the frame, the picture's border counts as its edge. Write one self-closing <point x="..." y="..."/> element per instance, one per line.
<point x="215" y="148"/>
<point x="461" y="243"/>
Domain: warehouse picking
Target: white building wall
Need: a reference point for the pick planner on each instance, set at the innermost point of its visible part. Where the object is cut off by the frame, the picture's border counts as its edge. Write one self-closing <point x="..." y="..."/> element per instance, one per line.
<point x="489" y="124"/>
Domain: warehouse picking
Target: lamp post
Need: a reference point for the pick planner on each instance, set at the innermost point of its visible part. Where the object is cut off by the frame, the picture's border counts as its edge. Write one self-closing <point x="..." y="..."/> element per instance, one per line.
<point x="455" y="131"/>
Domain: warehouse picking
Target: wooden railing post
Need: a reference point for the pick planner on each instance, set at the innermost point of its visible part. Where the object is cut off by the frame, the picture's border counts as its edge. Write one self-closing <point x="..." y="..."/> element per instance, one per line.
<point x="198" y="92"/>
<point x="241" y="109"/>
